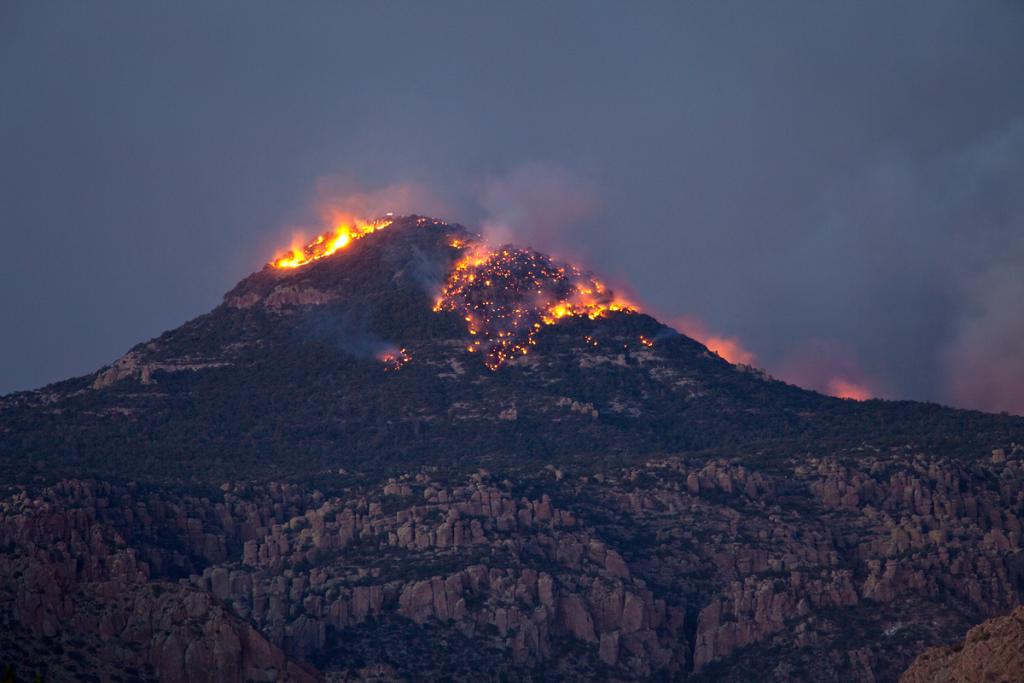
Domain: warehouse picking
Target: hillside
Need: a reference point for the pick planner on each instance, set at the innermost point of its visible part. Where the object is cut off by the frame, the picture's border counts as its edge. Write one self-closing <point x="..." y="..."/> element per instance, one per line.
<point x="402" y="455"/>
<point x="285" y="378"/>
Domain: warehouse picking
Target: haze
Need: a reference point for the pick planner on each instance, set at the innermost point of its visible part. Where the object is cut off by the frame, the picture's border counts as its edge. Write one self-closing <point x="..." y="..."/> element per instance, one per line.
<point x="838" y="188"/>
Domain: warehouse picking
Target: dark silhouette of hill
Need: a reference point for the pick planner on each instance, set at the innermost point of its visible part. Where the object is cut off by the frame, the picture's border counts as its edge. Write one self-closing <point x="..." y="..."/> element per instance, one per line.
<point x="285" y="378"/>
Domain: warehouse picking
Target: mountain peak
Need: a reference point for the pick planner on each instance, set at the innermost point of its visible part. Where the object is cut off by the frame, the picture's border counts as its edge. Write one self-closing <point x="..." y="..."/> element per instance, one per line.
<point x="345" y="229"/>
<point x="505" y="295"/>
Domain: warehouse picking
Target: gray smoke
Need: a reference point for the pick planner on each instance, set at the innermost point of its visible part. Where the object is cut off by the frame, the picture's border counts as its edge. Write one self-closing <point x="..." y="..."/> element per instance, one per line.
<point x="346" y="332"/>
<point x="983" y="360"/>
<point x="536" y="204"/>
<point x="912" y="268"/>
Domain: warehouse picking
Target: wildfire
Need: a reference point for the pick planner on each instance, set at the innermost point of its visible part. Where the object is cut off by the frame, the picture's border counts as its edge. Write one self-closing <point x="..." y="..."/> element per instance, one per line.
<point x="394" y="360"/>
<point x="507" y="295"/>
<point x="729" y="348"/>
<point x="843" y="388"/>
<point x="346" y="229"/>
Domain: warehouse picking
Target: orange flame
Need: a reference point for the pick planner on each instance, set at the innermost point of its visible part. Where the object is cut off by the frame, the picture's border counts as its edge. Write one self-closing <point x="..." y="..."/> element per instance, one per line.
<point x="729" y="348"/>
<point x="507" y="295"/>
<point x="345" y="230"/>
<point x="826" y="366"/>
<point x="394" y="359"/>
<point x="844" y="388"/>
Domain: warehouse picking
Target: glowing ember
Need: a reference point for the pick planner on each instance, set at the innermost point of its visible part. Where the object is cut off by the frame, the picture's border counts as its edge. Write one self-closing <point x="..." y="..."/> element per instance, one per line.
<point x="346" y="229"/>
<point x="394" y="360"/>
<point x="507" y="295"/>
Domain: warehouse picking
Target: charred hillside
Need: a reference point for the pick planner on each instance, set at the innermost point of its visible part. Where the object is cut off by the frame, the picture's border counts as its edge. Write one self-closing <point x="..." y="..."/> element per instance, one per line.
<point x="354" y="359"/>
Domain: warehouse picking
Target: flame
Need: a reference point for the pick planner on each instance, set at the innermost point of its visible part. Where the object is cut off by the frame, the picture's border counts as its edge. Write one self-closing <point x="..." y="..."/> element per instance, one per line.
<point x="345" y="229"/>
<point x="394" y="359"/>
<point x="829" y="367"/>
<point x="844" y="388"/>
<point x="729" y="348"/>
<point x="507" y="295"/>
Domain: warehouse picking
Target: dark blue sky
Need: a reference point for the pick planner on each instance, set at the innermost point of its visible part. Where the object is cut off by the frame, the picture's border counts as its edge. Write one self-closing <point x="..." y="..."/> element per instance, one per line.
<point x="836" y="184"/>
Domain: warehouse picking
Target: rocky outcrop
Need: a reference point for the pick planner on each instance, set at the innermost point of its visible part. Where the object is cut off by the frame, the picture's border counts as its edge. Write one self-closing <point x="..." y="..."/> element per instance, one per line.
<point x="134" y="365"/>
<point x="755" y="609"/>
<point x="190" y="638"/>
<point x="292" y="295"/>
<point x="127" y="366"/>
<point x="77" y="600"/>
<point x="278" y="297"/>
<point x="991" y="651"/>
<point x="671" y="568"/>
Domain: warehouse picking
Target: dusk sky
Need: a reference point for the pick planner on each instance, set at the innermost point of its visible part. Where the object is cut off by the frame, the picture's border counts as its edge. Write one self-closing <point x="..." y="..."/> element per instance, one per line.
<point x="837" y="188"/>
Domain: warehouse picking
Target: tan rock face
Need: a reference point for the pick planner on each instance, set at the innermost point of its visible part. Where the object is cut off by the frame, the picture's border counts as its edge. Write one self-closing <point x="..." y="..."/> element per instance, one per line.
<point x="576" y="618"/>
<point x="134" y="366"/>
<point x="281" y="297"/>
<point x="101" y="593"/>
<point x="991" y="651"/>
<point x="128" y="365"/>
<point x="674" y="567"/>
<point x="292" y="295"/>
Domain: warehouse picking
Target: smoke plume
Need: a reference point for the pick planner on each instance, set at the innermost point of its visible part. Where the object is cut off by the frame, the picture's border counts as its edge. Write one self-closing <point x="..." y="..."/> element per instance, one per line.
<point x="345" y="195"/>
<point x="537" y="205"/>
<point x="984" y="360"/>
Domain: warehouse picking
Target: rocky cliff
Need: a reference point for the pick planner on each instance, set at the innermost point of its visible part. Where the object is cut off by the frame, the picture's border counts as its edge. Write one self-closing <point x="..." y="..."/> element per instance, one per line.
<point x="992" y="651"/>
<point x="681" y="567"/>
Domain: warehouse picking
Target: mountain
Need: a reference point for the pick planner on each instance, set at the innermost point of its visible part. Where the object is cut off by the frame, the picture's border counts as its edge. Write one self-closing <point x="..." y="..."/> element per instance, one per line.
<point x="283" y="378"/>
<point x="396" y="453"/>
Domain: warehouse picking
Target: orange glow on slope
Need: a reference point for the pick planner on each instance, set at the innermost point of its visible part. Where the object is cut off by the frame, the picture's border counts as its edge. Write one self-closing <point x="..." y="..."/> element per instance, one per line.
<point x="829" y="367"/>
<point x="345" y="229"/>
<point x="844" y="388"/>
<point x="507" y="295"/>
<point x="394" y="359"/>
<point x="729" y="348"/>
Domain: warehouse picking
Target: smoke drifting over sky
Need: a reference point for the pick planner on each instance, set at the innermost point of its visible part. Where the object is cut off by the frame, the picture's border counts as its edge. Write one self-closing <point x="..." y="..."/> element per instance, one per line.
<point x="837" y="188"/>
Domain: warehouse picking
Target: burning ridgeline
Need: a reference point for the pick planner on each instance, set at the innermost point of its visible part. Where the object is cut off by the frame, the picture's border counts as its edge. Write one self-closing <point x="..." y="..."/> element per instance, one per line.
<point x="505" y="295"/>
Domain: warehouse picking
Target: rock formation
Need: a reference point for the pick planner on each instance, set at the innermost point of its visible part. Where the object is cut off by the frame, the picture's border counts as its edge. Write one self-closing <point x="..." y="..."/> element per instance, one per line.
<point x="992" y="651"/>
